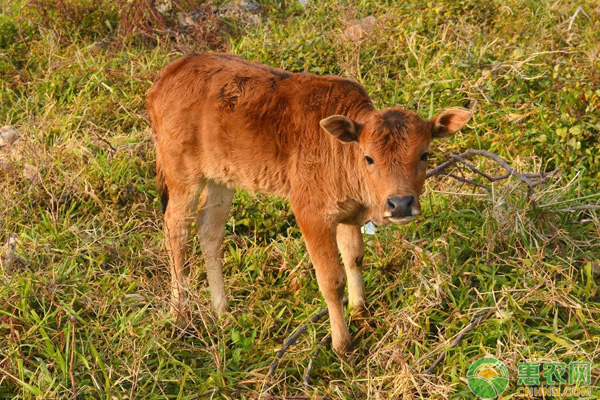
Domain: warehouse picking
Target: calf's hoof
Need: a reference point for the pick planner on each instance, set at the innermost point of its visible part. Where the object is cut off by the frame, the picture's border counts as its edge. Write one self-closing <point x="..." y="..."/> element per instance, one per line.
<point x="221" y="307"/>
<point x="362" y="318"/>
<point x="360" y="312"/>
<point x="182" y="317"/>
<point x="343" y="349"/>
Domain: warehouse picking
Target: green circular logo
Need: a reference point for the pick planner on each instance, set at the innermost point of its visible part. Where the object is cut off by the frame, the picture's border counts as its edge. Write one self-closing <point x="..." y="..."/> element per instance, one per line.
<point x="487" y="378"/>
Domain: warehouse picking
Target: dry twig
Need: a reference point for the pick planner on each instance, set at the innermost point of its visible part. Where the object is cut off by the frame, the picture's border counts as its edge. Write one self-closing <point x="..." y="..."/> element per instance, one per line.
<point x="459" y="337"/>
<point x="474" y="323"/>
<point x="572" y="19"/>
<point x="293" y="338"/>
<point x="530" y="179"/>
<point x="309" y="368"/>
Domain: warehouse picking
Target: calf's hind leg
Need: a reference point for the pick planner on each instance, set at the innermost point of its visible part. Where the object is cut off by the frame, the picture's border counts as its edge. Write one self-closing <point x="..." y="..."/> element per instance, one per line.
<point x="212" y="217"/>
<point x="183" y="202"/>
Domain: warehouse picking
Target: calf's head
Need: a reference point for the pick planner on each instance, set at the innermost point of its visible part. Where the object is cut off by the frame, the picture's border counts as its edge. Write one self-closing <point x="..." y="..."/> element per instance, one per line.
<point x="393" y="144"/>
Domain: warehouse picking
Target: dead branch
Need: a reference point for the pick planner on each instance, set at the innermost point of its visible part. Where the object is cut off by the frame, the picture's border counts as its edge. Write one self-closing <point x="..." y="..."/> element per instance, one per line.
<point x="309" y="368"/>
<point x="476" y="321"/>
<point x="484" y="315"/>
<point x="530" y="179"/>
<point x="294" y="338"/>
<point x="103" y="140"/>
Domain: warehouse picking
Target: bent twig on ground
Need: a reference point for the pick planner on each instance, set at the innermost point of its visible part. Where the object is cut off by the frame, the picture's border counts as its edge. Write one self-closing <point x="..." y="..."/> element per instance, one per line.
<point x="294" y="338"/>
<point x="476" y="321"/>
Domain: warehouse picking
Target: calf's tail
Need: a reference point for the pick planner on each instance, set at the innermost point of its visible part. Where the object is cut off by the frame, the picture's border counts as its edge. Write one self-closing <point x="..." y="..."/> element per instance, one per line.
<point x="163" y="190"/>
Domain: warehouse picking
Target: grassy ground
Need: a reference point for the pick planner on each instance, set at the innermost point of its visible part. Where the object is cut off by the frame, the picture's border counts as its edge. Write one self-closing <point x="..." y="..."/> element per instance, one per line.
<point x="83" y="308"/>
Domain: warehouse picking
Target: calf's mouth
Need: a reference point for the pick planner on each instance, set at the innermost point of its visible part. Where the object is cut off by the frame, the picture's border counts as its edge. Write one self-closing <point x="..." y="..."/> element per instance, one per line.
<point x="403" y="220"/>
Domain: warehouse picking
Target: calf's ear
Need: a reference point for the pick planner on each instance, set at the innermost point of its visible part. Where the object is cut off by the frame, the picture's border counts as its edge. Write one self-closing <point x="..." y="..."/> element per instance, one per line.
<point x="448" y="122"/>
<point x="342" y="128"/>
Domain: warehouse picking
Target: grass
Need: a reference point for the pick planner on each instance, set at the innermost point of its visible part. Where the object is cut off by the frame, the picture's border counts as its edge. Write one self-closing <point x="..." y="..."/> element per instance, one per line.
<point x="83" y="309"/>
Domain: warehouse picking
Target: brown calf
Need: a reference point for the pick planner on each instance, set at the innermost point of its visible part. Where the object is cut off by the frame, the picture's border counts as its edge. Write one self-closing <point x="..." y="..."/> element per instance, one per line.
<point x="223" y="122"/>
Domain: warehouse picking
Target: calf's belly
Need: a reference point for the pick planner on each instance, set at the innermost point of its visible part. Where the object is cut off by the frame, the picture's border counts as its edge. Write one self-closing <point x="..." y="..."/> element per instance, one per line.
<point x="248" y="170"/>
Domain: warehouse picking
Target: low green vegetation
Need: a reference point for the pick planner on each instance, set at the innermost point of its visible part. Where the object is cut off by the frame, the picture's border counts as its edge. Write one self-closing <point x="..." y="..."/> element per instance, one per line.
<point x="83" y="299"/>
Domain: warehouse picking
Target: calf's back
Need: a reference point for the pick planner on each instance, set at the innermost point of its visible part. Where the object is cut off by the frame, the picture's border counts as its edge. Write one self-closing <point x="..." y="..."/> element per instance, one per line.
<point x="243" y="124"/>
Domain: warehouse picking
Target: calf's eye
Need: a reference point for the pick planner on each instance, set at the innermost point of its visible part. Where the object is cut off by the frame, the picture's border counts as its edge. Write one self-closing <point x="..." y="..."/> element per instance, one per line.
<point x="369" y="160"/>
<point x="425" y="156"/>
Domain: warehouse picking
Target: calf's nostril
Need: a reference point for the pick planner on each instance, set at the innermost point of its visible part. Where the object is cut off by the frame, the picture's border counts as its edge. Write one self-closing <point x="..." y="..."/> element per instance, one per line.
<point x="391" y="204"/>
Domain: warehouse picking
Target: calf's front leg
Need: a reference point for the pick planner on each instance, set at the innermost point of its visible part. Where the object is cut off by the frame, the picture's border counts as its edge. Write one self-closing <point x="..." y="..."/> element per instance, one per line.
<point x="350" y="243"/>
<point x="320" y="239"/>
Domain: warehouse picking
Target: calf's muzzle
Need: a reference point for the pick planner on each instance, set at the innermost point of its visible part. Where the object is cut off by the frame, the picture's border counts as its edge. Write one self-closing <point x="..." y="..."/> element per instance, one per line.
<point x="400" y="207"/>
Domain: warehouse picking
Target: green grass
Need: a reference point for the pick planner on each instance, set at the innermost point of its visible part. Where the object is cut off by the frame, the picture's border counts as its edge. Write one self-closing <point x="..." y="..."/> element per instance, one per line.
<point x="83" y="309"/>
